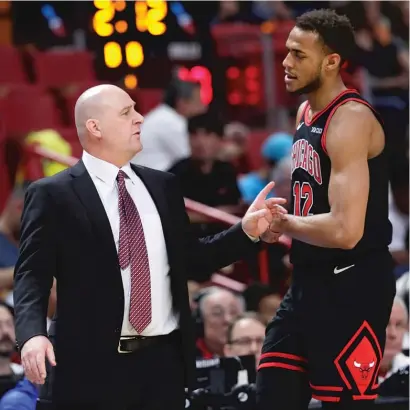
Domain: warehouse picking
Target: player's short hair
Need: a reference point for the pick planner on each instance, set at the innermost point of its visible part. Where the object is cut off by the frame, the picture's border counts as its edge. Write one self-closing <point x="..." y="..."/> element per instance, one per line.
<point x="335" y="31"/>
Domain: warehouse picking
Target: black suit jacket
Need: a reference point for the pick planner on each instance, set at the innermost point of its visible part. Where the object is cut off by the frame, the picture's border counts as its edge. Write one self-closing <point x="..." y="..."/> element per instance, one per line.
<point x="66" y="234"/>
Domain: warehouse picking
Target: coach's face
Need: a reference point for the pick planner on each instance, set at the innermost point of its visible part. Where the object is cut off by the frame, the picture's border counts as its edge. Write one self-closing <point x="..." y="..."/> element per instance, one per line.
<point x="120" y="124"/>
<point x="308" y="62"/>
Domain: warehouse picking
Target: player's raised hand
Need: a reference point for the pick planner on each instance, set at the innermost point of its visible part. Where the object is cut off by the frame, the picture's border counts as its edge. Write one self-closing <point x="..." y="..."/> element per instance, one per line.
<point x="259" y="215"/>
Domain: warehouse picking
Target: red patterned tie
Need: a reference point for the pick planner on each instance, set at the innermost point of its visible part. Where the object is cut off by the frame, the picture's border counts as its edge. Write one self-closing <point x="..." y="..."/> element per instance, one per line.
<point x="133" y="251"/>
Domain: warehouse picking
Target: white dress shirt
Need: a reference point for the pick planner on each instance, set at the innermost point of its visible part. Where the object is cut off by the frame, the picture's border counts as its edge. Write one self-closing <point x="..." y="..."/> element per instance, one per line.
<point x="104" y="175"/>
<point x="164" y="138"/>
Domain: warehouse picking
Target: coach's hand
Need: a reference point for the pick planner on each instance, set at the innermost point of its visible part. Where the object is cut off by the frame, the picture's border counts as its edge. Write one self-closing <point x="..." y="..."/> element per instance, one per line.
<point x="33" y="358"/>
<point x="258" y="217"/>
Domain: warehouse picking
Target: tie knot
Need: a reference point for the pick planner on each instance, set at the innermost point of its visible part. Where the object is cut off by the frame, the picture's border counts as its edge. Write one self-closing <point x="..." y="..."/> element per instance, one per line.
<point x="121" y="176"/>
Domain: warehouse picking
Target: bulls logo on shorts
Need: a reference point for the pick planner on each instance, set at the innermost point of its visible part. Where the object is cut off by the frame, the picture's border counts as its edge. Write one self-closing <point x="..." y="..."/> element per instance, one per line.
<point x="358" y="363"/>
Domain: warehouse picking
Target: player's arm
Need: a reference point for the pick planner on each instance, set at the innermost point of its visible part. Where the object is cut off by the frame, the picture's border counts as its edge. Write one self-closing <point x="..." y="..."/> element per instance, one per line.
<point x="347" y="144"/>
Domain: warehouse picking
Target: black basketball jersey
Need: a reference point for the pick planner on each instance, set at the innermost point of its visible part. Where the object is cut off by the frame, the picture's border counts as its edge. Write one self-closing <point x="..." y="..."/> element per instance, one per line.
<point x="310" y="182"/>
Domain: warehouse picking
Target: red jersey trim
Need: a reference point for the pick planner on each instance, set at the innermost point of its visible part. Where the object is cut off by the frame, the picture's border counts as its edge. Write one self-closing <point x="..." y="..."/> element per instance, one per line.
<point x="323" y="139"/>
<point x="318" y="114"/>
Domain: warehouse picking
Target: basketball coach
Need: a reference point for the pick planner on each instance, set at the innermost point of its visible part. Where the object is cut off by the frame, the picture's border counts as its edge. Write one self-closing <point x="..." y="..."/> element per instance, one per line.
<point x="117" y="239"/>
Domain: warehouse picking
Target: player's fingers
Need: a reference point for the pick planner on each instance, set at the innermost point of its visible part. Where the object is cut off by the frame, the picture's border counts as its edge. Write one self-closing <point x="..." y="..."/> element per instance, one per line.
<point x="281" y="209"/>
<point x="272" y="202"/>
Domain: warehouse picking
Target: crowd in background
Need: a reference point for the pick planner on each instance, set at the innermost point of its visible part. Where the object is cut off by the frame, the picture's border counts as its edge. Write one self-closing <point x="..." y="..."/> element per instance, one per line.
<point x="208" y="155"/>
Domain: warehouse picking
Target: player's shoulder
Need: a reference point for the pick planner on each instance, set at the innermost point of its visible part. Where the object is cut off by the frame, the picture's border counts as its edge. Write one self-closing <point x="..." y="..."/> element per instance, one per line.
<point x="350" y="125"/>
<point x="353" y="112"/>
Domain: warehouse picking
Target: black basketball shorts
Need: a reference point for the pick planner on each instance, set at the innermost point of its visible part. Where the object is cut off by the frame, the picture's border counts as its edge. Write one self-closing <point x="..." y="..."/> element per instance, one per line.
<point x="329" y="334"/>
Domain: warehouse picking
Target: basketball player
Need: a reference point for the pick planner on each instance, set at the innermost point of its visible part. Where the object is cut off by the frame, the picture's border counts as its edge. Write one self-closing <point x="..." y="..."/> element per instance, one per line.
<point x="327" y="339"/>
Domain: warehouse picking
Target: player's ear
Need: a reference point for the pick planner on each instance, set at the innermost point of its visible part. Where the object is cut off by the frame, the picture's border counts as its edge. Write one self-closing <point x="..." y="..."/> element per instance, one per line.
<point x="333" y="62"/>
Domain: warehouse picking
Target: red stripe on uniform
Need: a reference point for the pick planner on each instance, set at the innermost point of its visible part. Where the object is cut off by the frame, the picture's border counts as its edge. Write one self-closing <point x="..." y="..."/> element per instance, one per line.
<point x="370" y="397"/>
<point x="284" y="356"/>
<point x="318" y="114"/>
<point x="282" y="366"/>
<point x="326" y="388"/>
<point x="325" y="398"/>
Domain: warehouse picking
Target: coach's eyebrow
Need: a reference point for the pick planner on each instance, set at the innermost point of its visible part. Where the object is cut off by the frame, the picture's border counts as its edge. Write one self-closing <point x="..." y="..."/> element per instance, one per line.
<point x="127" y="108"/>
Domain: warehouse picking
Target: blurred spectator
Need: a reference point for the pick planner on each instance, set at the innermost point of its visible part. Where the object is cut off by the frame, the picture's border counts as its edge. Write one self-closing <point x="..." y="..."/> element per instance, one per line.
<point x="229" y="11"/>
<point x="402" y="291"/>
<point x="193" y="289"/>
<point x="217" y="309"/>
<point x="276" y="147"/>
<point x="271" y="10"/>
<point x="164" y="133"/>
<point x="245" y="336"/>
<point x="282" y="175"/>
<point x="9" y="236"/>
<point x="402" y="288"/>
<point x="398" y="247"/>
<point x="52" y="141"/>
<point x="203" y="177"/>
<point x="10" y="373"/>
<point x="385" y="57"/>
<point x="262" y="299"/>
<point x="22" y="397"/>
<point x="394" y="359"/>
<point x="234" y="148"/>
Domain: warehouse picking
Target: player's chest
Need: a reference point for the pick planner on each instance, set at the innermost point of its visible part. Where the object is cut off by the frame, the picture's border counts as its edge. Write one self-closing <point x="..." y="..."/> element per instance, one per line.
<point x="308" y="153"/>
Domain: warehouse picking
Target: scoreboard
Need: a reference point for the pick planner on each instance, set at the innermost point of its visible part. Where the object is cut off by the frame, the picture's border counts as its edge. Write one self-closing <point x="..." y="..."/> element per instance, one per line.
<point x="144" y="43"/>
<point x="141" y="42"/>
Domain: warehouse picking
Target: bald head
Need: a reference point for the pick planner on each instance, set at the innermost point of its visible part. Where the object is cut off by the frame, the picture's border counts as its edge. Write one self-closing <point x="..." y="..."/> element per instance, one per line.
<point x="91" y="105"/>
<point x="108" y="125"/>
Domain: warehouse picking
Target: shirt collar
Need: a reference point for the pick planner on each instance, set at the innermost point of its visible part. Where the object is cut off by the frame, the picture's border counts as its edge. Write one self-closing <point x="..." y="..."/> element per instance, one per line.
<point x="105" y="171"/>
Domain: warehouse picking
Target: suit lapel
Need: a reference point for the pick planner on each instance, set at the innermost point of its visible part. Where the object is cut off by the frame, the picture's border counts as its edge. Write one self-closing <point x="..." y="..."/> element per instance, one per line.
<point x="88" y="195"/>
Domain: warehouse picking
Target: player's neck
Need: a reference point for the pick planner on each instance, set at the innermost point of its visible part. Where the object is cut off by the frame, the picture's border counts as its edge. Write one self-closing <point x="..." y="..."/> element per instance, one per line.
<point x="319" y="99"/>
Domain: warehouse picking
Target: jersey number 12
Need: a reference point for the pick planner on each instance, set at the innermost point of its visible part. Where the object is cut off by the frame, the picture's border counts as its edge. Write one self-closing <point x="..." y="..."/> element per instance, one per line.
<point x="302" y="192"/>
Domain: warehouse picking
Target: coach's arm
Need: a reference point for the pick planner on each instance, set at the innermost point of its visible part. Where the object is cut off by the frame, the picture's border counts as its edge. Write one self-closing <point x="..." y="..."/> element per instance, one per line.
<point x="347" y="143"/>
<point x="36" y="265"/>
